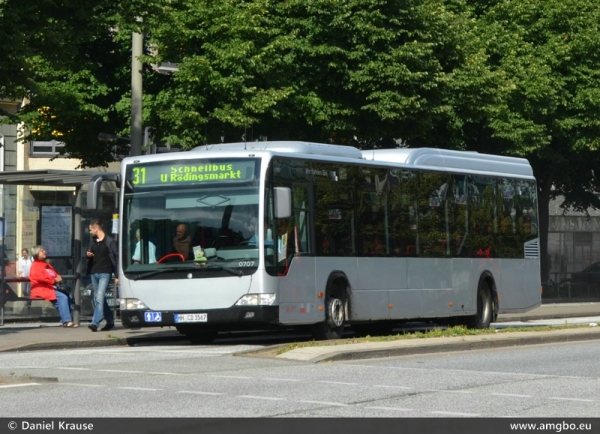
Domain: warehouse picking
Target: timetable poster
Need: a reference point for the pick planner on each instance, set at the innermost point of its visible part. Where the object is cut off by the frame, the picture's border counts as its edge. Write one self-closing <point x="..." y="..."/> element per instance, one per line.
<point x="57" y="230"/>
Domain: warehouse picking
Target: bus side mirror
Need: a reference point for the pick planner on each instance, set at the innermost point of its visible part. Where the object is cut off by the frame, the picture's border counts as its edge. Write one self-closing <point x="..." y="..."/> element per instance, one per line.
<point x="95" y="186"/>
<point x="283" y="202"/>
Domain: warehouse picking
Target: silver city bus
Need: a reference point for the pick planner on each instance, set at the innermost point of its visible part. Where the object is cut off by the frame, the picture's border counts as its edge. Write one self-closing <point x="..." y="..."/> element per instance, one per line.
<point x="306" y="235"/>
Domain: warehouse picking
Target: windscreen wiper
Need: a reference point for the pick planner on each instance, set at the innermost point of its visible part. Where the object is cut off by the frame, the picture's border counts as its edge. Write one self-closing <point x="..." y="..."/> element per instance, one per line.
<point x="229" y="270"/>
<point x="154" y="273"/>
<point x="167" y="270"/>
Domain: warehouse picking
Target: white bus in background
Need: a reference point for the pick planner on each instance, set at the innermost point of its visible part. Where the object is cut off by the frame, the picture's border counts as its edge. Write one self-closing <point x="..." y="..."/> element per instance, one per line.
<point x="365" y="239"/>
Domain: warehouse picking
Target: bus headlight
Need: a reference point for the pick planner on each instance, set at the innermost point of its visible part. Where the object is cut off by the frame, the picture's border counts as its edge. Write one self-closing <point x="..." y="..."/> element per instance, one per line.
<point x="256" y="300"/>
<point x="131" y="304"/>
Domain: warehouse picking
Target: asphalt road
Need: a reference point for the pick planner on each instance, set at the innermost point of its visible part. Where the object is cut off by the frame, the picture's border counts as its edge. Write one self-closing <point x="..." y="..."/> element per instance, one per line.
<point x="558" y="380"/>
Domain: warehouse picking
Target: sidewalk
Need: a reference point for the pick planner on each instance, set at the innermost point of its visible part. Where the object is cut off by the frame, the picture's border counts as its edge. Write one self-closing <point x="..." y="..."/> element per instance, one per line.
<point x="554" y="310"/>
<point x="20" y="336"/>
<point x="45" y="336"/>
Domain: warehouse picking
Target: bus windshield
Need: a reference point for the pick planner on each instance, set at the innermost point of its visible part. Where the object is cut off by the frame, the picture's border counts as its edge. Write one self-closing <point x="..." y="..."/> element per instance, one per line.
<point x="188" y="222"/>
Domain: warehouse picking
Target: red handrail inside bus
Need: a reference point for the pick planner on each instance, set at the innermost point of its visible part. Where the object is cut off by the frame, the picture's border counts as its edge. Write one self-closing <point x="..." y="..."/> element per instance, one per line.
<point x="171" y="255"/>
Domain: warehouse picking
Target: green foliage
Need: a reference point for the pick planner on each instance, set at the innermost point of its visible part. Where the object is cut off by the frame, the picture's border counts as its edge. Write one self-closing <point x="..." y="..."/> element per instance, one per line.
<point x="548" y="53"/>
<point x="66" y="62"/>
<point x="315" y="70"/>
<point x="513" y="77"/>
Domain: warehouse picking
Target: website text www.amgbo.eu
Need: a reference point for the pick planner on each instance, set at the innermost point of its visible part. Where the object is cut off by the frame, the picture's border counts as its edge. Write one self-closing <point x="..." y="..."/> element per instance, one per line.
<point x="551" y="426"/>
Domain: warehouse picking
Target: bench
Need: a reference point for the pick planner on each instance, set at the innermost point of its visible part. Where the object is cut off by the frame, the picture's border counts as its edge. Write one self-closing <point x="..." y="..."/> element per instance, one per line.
<point x="28" y="298"/>
<point x="15" y="279"/>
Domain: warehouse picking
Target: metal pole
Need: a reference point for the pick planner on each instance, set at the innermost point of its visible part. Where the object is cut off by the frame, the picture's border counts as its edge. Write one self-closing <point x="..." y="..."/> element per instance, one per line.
<point x="2" y="283"/>
<point x="3" y="230"/>
<point x="137" y="47"/>
<point x="77" y="255"/>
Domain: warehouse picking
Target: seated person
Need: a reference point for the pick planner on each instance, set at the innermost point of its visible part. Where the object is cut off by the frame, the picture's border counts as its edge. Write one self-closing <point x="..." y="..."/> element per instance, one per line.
<point x="182" y="242"/>
<point x="137" y="254"/>
<point x="44" y="280"/>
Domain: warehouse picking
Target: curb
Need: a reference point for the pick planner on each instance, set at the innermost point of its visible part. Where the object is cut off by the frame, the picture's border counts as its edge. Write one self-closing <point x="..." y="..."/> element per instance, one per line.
<point x="503" y="342"/>
<point x="508" y="318"/>
<point x="108" y="342"/>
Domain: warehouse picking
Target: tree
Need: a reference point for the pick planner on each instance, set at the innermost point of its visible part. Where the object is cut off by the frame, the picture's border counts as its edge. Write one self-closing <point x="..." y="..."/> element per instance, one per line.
<point x="509" y="77"/>
<point x="316" y="70"/>
<point x="352" y="71"/>
<point x="66" y="60"/>
<point x="549" y="53"/>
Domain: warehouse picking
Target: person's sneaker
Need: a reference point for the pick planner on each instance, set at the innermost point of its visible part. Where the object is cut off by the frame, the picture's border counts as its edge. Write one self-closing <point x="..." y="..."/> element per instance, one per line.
<point x="107" y="327"/>
<point x="93" y="327"/>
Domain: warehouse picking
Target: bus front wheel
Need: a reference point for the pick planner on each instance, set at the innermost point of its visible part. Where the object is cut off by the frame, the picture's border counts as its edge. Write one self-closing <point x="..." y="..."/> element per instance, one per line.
<point x="335" y="317"/>
<point x="483" y="318"/>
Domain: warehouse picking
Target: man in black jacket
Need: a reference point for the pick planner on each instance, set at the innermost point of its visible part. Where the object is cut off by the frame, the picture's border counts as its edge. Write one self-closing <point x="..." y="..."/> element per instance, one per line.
<point x="102" y="263"/>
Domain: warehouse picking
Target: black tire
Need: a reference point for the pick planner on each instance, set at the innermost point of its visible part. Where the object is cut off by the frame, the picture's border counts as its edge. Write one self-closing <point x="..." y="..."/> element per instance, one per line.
<point x="485" y="308"/>
<point x="335" y="315"/>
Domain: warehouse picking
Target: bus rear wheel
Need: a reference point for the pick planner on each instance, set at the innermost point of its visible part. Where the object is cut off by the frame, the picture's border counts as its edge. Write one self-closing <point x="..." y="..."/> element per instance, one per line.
<point x="335" y="316"/>
<point x="483" y="318"/>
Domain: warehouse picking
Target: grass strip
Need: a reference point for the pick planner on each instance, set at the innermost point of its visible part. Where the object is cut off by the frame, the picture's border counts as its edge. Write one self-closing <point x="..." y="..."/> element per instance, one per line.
<point x="434" y="333"/>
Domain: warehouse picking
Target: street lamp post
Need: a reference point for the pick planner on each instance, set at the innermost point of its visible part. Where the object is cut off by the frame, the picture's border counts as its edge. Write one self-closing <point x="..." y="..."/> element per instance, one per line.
<point x="137" y="47"/>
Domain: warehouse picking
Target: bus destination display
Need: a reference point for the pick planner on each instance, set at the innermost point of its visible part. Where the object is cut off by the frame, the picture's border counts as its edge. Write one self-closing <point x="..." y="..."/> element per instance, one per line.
<point x="190" y="172"/>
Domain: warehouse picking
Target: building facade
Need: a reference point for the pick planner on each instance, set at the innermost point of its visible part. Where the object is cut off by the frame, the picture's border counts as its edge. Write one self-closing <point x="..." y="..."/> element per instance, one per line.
<point x="21" y="205"/>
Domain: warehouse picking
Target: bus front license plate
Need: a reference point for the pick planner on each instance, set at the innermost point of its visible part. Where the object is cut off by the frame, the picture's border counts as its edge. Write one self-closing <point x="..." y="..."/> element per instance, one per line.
<point x="191" y="317"/>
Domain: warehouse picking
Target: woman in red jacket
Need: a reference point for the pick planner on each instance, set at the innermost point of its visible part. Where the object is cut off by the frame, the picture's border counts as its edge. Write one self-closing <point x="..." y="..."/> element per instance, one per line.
<point x="43" y="277"/>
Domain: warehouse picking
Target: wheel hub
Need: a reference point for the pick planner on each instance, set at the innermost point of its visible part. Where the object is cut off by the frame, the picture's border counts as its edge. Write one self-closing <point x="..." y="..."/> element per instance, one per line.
<point x="336" y="312"/>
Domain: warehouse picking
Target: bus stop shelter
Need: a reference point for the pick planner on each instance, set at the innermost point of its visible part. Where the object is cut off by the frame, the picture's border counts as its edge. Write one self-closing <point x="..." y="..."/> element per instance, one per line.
<point x="54" y="178"/>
